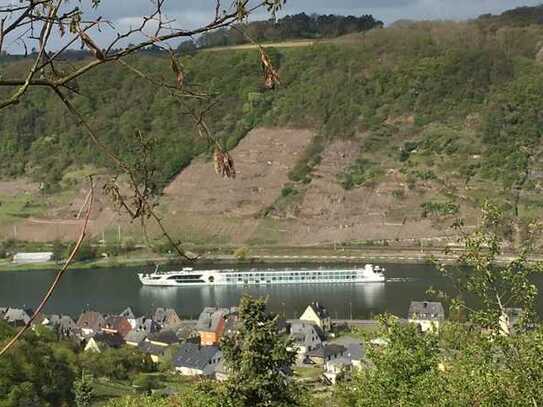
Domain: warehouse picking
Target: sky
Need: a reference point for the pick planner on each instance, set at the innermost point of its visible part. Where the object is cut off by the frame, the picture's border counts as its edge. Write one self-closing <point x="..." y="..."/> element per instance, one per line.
<point x="192" y="13"/>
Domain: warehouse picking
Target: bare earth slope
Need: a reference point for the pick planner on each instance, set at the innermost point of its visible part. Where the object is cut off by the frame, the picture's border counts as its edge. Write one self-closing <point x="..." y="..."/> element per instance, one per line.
<point x="330" y="214"/>
<point x="200" y="207"/>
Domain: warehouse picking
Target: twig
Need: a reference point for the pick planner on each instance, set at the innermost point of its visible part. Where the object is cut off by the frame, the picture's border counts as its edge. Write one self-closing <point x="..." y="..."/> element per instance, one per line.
<point x="59" y="275"/>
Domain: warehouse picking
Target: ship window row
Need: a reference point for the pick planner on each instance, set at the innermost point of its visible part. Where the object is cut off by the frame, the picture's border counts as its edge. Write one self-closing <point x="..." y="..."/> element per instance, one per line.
<point x="290" y="278"/>
<point x="268" y="274"/>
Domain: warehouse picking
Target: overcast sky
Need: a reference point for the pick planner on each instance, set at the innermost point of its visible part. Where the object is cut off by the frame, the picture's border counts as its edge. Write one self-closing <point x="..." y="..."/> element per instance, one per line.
<point x="192" y="13"/>
<point x="199" y="11"/>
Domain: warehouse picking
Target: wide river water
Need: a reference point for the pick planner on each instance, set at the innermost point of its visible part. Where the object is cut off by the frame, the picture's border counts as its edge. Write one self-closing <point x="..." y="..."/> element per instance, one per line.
<point x="112" y="290"/>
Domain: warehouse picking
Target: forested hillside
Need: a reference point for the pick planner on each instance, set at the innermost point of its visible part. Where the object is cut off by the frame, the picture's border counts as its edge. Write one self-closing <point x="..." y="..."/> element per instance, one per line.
<point x="447" y="113"/>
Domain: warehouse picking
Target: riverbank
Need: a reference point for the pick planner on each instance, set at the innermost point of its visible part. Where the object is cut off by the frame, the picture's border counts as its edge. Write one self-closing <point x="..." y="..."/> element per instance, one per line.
<point x="268" y="256"/>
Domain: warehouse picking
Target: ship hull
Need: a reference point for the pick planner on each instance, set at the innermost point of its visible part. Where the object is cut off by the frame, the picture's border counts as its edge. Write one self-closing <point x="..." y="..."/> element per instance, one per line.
<point x="364" y="275"/>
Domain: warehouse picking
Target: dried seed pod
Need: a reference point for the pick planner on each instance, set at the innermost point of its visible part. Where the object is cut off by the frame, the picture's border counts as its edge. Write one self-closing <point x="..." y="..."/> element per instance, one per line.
<point x="91" y="46"/>
<point x="224" y="164"/>
<point x="176" y="68"/>
<point x="271" y="77"/>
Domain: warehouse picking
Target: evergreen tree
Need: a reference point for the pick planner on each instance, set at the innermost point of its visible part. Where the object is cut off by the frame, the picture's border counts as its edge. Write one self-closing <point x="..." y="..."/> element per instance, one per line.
<point x="258" y="360"/>
<point x="83" y="390"/>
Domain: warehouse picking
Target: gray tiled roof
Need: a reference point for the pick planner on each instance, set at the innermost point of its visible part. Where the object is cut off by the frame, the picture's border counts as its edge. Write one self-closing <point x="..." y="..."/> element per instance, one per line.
<point x="114" y="340"/>
<point x="426" y="310"/>
<point x="166" y="316"/>
<point x="186" y="330"/>
<point x="91" y="320"/>
<point x="194" y="356"/>
<point x="17" y="315"/>
<point x="319" y="309"/>
<point x="146" y="324"/>
<point x="64" y="323"/>
<point x="135" y="336"/>
<point x="354" y="347"/>
<point x="167" y="337"/>
<point x="327" y="350"/>
<point x="152" y="349"/>
<point x="210" y="318"/>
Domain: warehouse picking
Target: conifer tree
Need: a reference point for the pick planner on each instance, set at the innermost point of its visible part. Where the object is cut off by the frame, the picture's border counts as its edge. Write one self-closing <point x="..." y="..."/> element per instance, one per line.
<point x="258" y="360"/>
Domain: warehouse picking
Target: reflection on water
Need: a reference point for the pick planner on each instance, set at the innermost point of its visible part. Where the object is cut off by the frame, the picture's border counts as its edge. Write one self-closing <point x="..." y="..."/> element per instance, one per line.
<point x="111" y="290"/>
<point x="284" y="299"/>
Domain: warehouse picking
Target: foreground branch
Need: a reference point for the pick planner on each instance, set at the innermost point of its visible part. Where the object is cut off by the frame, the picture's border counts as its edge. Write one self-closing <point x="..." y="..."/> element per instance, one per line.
<point x="90" y="201"/>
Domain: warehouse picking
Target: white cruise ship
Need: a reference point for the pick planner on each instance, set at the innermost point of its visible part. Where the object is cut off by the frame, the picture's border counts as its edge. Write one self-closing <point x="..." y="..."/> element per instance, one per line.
<point x="188" y="276"/>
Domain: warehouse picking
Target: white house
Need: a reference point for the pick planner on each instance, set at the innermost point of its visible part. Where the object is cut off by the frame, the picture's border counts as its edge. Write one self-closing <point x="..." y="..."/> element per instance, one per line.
<point x="337" y="368"/>
<point x="318" y="315"/>
<point x="427" y="315"/>
<point x="306" y="337"/>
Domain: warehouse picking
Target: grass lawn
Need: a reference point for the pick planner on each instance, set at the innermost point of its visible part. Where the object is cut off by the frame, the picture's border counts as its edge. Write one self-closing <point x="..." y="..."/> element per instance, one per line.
<point x="105" y="390"/>
<point x="20" y="206"/>
<point x="310" y="372"/>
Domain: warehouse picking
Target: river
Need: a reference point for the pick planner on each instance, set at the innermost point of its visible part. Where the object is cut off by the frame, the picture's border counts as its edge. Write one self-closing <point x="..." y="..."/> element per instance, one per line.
<point x="112" y="290"/>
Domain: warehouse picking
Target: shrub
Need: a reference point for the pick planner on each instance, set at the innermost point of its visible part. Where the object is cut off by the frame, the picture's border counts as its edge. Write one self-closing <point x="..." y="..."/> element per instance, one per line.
<point x="439" y="208"/>
<point x="241" y="253"/>
<point x="361" y="172"/>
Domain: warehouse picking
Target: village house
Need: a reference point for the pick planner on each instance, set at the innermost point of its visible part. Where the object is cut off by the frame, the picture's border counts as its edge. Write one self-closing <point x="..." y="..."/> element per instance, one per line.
<point x="221" y="371"/>
<point x="306" y="337"/>
<point x="318" y="315"/>
<point x="156" y="352"/>
<point x="63" y="325"/>
<point x="163" y="338"/>
<point x="427" y="315"/>
<point x="354" y="351"/>
<point x="326" y="353"/>
<point x="167" y="318"/>
<point x="129" y="315"/>
<point x="39" y="319"/>
<point x="210" y="325"/>
<point x="102" y="340"/>
<point x="147" y="325"/>
<point x="337" y="368"/>
<point x="90" y="322"/>
<point x="197" y="360"/>
<point x="135" y="338"/>
<point x="117" y="324"/>
<point x="17" y="316"/>
<point x="187" y="332"/>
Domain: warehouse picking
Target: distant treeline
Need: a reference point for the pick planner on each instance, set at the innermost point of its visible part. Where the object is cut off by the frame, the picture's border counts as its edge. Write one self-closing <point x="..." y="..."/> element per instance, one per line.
<point x="298" y="26"/>
<point x="520" y="16"/>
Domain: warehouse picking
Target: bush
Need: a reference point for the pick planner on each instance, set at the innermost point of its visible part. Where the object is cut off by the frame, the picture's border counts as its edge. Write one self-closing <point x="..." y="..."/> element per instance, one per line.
<point x="361" y="172"/>
<point x="288" y="190"/>
<point x="439" y="208"/>
<point x="241" y="253"/>
<point x="86" y="252"/>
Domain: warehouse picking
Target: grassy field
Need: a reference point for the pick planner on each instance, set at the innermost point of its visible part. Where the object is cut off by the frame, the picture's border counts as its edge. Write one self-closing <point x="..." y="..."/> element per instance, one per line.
<point x="284" y="44"/>
<point x="105" y="390"/>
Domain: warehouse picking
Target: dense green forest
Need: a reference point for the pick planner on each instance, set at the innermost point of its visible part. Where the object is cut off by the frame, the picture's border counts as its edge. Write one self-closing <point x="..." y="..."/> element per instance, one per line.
<point x="461" y="99"/>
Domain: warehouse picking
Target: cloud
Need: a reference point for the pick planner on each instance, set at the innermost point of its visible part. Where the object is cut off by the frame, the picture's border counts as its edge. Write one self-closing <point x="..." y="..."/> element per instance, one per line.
<point x="200" y="11"/>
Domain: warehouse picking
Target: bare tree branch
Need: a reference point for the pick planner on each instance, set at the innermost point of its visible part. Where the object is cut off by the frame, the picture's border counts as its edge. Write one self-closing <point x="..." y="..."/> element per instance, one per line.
<point x="60" y="274"/>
